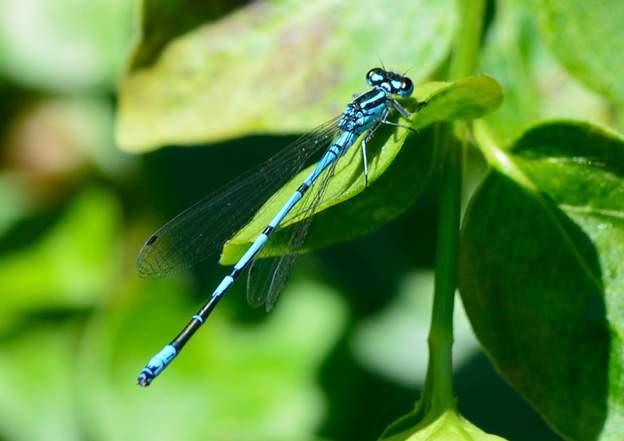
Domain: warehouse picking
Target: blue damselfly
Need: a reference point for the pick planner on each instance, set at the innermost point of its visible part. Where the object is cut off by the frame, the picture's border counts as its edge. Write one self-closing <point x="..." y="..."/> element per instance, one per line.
<point x="202" y="229"/>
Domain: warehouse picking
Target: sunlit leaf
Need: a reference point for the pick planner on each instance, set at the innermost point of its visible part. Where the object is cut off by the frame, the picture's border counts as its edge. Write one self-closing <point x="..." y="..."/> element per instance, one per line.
<point x="276" y="67"/>
<point x="536" y="85"/>
<point x="588" y="38"/>
<point x="542" y="277"/>
<point x="396" y="174"/>
<point x="164" y="20"/>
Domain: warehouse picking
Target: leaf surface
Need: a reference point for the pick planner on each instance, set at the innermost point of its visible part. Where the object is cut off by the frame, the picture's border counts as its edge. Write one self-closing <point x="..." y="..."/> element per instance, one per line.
<point x="275" y="67"/>
<point x="541" y="273"/>
<point x="588" y="38"/>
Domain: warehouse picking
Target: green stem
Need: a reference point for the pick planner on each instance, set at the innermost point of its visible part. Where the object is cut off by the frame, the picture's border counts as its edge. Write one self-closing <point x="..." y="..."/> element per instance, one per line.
<point x="440" y="372"/>
<point x="468" y="38"/>
<point x="438" y="394"/>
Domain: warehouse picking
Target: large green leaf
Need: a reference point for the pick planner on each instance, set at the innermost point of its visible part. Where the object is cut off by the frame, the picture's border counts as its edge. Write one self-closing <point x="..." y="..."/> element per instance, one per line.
<point x="276" y="67"/>
<point x="164" y="20"/>
<point x="536" y="85"/>
<point x="396" y="174"/>
<point x="541" y="273"/>
<point x="588" y="38"/>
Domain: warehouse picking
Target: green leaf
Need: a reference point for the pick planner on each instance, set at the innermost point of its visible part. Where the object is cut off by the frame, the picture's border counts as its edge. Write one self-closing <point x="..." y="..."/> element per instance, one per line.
<point x="164" y="20"/>
<point x="275" y="68"/>
<point x="449" y="426"/>
<point x="588" y="38"/>
<point x="70" y="267"/>
<point x="536" y="85"/>
<point x="396" y="174"/>
<point x="541" y="273"/>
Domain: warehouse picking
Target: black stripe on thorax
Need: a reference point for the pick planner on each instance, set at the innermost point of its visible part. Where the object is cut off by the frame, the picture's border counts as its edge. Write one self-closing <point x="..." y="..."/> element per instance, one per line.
<point x="376" y="103"/>
<point x="372" y="99"/>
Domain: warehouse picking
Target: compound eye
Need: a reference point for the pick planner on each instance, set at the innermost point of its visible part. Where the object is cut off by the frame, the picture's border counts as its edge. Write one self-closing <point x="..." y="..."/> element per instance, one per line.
<point x="375" y="76"/>
<point x="407" y="87"/>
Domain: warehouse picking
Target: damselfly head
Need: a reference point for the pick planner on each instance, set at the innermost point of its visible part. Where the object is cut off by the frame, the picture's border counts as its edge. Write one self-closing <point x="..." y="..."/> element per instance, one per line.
<point x="392" y="82"/>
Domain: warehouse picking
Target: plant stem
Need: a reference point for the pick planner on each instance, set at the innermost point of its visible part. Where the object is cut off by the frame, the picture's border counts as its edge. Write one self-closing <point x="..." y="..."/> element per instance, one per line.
<point x="440" y="372"/>
<point x="468" y="38"/>
<point x="438" y="394"/>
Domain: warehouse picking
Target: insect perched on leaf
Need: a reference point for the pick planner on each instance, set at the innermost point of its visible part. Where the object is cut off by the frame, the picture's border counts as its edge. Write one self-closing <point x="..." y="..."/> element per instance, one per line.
<point x="202" y="229"/>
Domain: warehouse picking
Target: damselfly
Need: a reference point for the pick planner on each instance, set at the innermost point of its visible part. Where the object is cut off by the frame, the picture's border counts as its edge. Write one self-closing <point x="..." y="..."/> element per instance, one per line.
<point x="203" y="229"/>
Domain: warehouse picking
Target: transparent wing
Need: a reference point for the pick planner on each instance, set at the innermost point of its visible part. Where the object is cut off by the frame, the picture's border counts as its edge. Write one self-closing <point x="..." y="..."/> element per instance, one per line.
<point x="267" y="276"/>
<point x="201" y="230"/>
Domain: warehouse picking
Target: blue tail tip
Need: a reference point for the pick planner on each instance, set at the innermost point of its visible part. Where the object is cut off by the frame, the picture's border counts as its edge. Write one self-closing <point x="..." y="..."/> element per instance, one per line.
<point x="145" y="379"/>
<point x="156" y="365"/>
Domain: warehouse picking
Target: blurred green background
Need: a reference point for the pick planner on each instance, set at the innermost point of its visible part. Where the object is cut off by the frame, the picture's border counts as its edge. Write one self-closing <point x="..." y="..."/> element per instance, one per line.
<point x="341" y="356"/>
